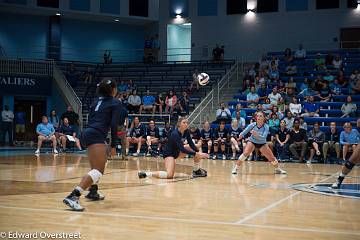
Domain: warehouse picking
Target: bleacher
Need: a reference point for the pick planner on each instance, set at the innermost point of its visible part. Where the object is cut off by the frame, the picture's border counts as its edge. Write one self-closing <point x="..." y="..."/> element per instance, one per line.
<point x="330" y="111"/>
<point x="159" y="77"/>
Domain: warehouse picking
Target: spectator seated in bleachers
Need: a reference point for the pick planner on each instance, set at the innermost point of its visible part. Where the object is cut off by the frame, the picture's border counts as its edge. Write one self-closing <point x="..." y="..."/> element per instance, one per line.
<point x="329" y="78"/>
<point x="329" y="60"/>
<point x="276" y="111"/>
<point x="67" y="135"/>
<point x="238" y="109"/>
<point x="294" y="107"/>
<point x="298" y="137"/>
<point x="291" y="69"/>
<point x="152" y="136"/>
<point x="282" y="138"/>
<point x="303" y="124"/>
<point x="267" y="106"/>
<point x="72" y="116"/>
<point x="274" y="123"/>
<point x="274" y="73"/>
<point x="45" y="132"/>
<point x="223" y="114"/>
<point x="274" y="96"/>
<point x="300" y="53"/>
<point x="183" y="104"/>
<point x="348" y="109"/>
<point x="54" y="119"/>
<point x="159" y="103"/>
<point x="122" y="87"/>
<point x="136" y="136"/>
<point x="87" y="76"/>
<point x="148" y="103"/>
<point x="289" y="120"/>
<point x="311" y="108"/>
<point x="332" y="141"/>
<point x="349" y="139"/>
<point x="325" y="92"/>
<point x="355" y="86"/>
<point x="337" y="62"/>
<point x="170" y="102"/>
<point x="316" y="139"/>
<point x="319" y="62"/>
<point x="134" y="102"/>
<point x="335" y="87"/>
<point x="342" y="79"/>
<point x="220" y="136"/>
<point x="240" y="120"/>
<point x="263" y="92"/>
<point x="252" y="98"/>
<point x="288" y="57"/>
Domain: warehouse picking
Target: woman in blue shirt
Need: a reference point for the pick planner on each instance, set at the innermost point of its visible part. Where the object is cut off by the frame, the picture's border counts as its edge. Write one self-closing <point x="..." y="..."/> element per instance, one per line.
<point x="259" y="131"/>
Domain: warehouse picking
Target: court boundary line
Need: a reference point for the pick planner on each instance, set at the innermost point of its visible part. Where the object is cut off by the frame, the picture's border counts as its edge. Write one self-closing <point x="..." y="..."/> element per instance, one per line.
<point x="272" y="205"/>
<point x="193" y="221"/>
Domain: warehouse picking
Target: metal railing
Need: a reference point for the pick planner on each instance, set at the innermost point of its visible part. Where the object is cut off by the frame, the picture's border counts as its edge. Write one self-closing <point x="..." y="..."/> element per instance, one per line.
<point x="27" y="67"/>
<point x="69" y="93"/>
<point x="214" y="95"/>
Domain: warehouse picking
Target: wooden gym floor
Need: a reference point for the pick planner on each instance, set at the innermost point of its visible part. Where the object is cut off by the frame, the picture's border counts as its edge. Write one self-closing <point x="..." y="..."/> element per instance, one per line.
<point x="255" y="204"/>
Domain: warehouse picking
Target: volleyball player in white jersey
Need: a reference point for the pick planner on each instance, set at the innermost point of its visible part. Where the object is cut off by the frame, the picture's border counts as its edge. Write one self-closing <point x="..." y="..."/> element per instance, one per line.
<point x="259" y="131"/>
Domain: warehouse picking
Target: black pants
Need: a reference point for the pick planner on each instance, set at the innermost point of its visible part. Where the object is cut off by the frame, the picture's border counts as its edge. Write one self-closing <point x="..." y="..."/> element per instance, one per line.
<point x="7" y="127"/>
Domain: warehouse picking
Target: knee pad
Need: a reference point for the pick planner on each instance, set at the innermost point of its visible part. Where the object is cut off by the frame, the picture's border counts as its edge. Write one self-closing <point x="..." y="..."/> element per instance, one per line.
<point x="274" y="163"/>
<point x="349" y="165"/>
<point x="95" y="175"/>
<point x="215" y="143"/>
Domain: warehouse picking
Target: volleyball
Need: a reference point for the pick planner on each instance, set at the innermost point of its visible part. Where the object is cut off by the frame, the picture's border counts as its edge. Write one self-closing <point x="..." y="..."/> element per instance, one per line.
<point x="203" y="79"/>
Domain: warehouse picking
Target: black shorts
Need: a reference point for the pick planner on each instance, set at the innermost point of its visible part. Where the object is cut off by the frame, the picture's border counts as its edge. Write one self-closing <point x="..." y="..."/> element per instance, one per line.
<point x="258" y="145"/>
<point x="92" y="136"/>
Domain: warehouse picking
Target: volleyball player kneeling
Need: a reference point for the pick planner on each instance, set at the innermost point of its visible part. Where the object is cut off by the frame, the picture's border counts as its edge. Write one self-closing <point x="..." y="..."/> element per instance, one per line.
<point x="259" y="131"/>
<point x="104" y="114"/>
<point x="175" y="149"/>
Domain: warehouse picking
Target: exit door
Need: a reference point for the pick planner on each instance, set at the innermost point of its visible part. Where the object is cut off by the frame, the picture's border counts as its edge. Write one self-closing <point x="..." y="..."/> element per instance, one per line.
<point x="32" y="111"/>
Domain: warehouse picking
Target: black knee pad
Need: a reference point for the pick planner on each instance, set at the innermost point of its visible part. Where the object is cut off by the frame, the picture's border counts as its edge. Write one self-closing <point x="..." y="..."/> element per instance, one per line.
<point x="349" y="165"/>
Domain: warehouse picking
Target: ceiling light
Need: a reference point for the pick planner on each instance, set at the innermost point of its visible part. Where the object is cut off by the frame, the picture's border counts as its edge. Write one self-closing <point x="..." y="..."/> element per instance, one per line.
<point x="116" y="20"/>
<point x="178" y="16"/>
<point x="58" y="14"/>
<point x="178" y="11"/>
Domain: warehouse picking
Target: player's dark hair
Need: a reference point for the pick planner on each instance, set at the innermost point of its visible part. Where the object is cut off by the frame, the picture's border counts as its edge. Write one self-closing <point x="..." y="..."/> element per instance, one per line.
<point x="105" y="87"/>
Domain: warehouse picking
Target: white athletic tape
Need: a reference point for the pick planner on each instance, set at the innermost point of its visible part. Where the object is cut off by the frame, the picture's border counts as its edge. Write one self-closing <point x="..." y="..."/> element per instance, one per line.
<point x="95" y="175"/>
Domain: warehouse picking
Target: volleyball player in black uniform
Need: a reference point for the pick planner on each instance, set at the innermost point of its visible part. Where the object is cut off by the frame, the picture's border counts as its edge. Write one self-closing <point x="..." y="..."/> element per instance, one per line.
<point x="196" y="137"/>
<point x="104" y="114"/>
<point x="206" y="136"/>
<point x="175" y="149"/>
<point x="235" y="141"/>
<point x="152" y="136"/>
<point x="137" y="136"/>
<point x="220" y="138"/>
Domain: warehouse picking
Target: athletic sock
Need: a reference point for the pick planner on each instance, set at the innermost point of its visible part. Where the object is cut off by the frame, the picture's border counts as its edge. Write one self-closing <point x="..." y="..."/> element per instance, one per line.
<point x="196" y="166"/>
<point x="149" y="174"/>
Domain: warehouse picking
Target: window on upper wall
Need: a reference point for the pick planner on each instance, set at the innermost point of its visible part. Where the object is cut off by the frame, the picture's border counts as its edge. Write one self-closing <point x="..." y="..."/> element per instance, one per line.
<point x="48" y="3"/>
<point x="296" y="5"/>
<point x="352" y="4"/>
<point x="327" y="4"/>
<point x="267" y="6"/>
<point x="207" y="7"/>
<point x="139" y="8"/>
<point x="236" y="7"/>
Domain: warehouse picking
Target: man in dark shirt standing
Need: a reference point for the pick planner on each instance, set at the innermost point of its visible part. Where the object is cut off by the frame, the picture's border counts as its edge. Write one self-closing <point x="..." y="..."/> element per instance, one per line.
<point x="298" y="138"/>
<point x="332" y="140"/>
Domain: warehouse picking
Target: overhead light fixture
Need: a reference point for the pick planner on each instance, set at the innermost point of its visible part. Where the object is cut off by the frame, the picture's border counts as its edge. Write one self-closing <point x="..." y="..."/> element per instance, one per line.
<point x="178" y="11"/>
<point x="178" y="16"/>
<point x="58" y="14"/>
<point x="116" y="20"/>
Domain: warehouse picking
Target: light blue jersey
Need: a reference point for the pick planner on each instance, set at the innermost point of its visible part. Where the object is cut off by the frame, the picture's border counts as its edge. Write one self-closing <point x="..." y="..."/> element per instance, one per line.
<point x="262" y="132"/>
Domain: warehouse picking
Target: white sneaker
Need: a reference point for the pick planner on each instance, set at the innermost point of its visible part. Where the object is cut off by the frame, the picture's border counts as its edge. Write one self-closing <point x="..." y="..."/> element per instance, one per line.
<point x="56" y="151"/>
<point x="308" y="162"/>
<point x="214" y="157"/>
<point x="232" y="158"/>
<point x="136" y="154"/>
<point x="37" y="151"/>
<point x="148" y="154"/>
<point x="224" y="157"/>
<point x="234" y="170"/>
<point x="280" y="171"/>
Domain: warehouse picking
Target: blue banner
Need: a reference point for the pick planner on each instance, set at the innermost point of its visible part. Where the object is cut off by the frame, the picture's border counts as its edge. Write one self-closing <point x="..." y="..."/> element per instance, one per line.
<point x="25" y="85"/>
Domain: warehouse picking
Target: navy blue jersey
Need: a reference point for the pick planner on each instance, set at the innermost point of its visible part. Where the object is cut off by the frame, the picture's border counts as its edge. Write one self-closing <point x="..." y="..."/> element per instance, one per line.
<point x="137" y="131"/>
<point x="166" y="133"/>
<point x="176" y="145"/>
<point x="67" y="130"/>
<point x="220" y="133"/>
<point x="235" y="132"/>
<point x="206" y="135"/>
<point x="104" y="115"/>
<point x="195" y="134"/>
<point x="153" y="132"/>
